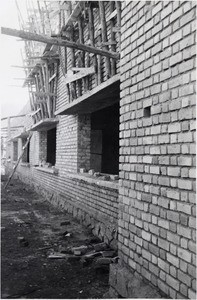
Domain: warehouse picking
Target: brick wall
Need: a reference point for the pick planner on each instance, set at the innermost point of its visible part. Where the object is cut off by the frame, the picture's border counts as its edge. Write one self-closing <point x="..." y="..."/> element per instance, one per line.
<point x="157" y="139"/>
<point x="34" y="149"/>
<point x="66" y="154"/>
<point x="92" y="201"/>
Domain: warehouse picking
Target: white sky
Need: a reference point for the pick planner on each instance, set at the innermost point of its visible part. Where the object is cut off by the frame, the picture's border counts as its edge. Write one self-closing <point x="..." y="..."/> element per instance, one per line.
<point x="12" y="98"/>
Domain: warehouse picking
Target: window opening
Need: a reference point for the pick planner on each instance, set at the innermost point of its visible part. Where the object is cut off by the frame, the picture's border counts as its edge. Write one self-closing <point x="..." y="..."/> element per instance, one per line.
<point x="25" y="157"/>
<point x="15" y="151"/>
<point x="51" y="146"/>
<point x="147" y="111"/>
<point x="105" y="140"/>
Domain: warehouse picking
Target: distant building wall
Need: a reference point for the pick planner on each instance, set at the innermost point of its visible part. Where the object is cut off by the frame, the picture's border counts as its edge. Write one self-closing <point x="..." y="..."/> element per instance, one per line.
<point x="157" y="147"/>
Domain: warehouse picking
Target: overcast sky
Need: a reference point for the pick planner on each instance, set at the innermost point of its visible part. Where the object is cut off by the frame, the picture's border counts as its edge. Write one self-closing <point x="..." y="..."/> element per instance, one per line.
<point x="12" y="98"/>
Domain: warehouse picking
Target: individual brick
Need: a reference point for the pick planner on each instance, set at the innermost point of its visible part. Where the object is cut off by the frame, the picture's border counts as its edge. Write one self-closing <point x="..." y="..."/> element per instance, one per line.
<point x="173" y="282"/>
<point x="185" y="161"/>
<point x="184" y="231"/>
<point x="184" y="207"/>
<point x="184" y="278"/>
<point x="173" y="171"/>
<point x="184" y="184"/>
<point x="184" y="254"/>
<point x="191" y="294"/>
<point x="173" y="216"/>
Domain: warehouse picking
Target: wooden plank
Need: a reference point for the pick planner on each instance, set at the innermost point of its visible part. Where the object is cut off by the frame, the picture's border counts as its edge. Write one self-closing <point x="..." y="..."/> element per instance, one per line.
<point x="57" y="41"/>
<point x="79" y="75"/>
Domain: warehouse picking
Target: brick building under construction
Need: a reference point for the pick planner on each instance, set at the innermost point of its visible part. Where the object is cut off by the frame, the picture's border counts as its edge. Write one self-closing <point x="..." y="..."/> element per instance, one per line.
<point x="112" y="123"/>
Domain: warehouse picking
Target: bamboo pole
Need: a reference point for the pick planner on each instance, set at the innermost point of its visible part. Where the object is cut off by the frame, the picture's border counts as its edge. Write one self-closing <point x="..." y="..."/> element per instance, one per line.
<point x="118" y="8"/>
<point x="113" y="47"/>
<point x="91" y="33"/>
<point x="104" y="37"/>
<point x="99" y="62"/>
<point x="47" y="89"/>
<point x="80" y="56"/>
<point x="40" y="113"/>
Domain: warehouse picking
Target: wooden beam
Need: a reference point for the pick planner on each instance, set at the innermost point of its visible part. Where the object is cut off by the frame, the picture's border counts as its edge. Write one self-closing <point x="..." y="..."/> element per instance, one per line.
<point x="43" y="57"/>
<point x="57" y="41"/>
<point x="76" y="69"/>
<point x="17" y="116"/>
<point x="80" y="75"/>
<point x="23" y="67"/>
<point x="31" y="114"/>
<point x="108" y="43"/>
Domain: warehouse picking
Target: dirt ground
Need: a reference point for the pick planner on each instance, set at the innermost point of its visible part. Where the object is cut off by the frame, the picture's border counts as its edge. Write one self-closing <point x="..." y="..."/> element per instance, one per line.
<point x="31" y="230"/>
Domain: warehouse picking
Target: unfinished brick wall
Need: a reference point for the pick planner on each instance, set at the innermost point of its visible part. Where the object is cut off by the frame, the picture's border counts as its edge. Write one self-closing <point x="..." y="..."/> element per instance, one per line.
<point x="157" y="155"/>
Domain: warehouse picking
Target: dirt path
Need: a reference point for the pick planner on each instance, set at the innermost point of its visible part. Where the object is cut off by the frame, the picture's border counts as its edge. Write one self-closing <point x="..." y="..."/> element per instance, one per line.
<point x="30" y="231"/>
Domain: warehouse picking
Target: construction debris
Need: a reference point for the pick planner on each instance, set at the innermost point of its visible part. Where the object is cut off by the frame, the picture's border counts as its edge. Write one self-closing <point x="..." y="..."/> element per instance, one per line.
<point x="22" y="241"/>
<point x="67" y="222"/>
<point x="57" y="255"/>
<point x="100" y="247"/>
<point x="108" y="253"/>
<point x="80" y="250"/>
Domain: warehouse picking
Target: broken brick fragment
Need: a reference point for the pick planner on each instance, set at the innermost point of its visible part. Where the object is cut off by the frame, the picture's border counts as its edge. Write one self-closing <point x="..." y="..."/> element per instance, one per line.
<point x="100" y="247"/>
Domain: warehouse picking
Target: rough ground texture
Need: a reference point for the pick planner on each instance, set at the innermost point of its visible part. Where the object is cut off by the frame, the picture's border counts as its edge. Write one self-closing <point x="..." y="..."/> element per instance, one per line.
<point x="26" y="270"/>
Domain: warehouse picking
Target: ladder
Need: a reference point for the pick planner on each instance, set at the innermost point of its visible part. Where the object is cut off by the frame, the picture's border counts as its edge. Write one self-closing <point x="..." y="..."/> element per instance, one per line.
<point x="14" y="169"/>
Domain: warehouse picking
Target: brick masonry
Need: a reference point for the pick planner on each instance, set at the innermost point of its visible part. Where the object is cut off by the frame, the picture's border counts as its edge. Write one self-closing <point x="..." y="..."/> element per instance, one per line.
<point x="157" y="181"/>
